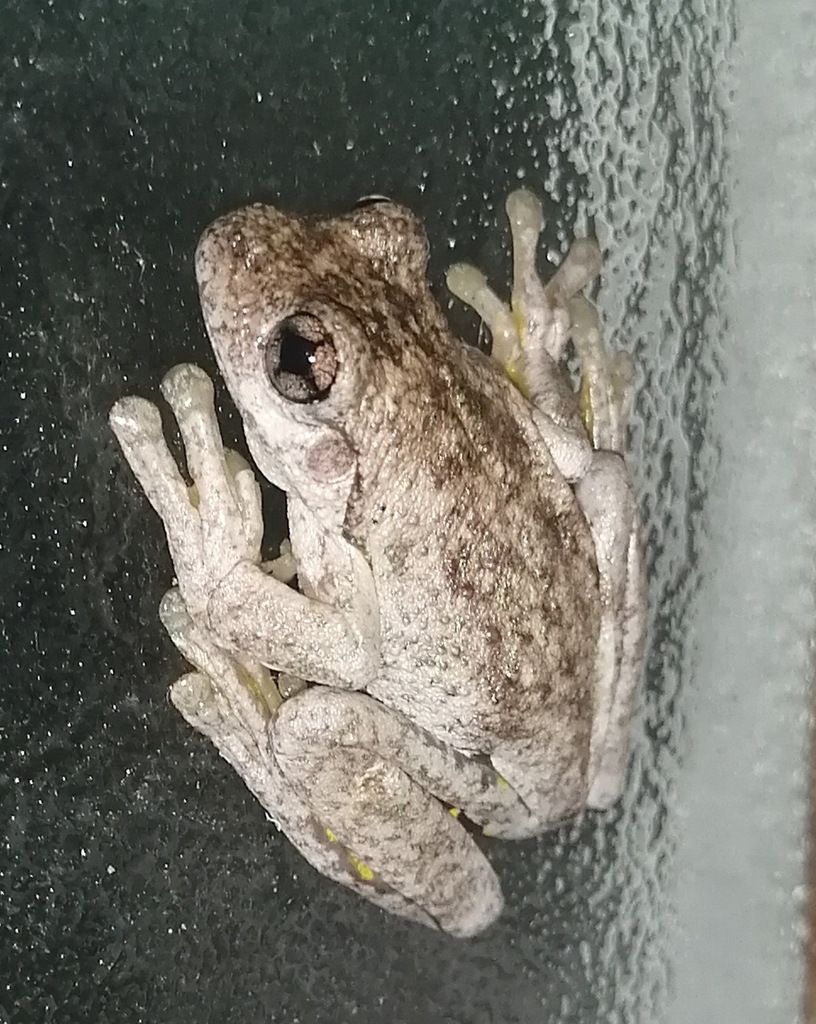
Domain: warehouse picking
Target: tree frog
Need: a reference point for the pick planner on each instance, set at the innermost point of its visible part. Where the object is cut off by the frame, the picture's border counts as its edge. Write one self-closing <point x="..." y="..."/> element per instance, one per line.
<point x="451" y="640"/>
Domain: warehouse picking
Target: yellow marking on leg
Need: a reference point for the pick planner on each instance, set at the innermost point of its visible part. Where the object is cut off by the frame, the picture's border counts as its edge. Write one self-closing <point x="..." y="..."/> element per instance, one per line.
<point x="585" y="406"/>
<point x="261" y="689"/>
<point x="363" y="870"/>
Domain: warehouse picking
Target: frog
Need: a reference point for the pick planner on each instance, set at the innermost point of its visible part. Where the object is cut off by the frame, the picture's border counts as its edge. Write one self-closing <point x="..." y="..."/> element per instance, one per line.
<point x="448" y="645"/>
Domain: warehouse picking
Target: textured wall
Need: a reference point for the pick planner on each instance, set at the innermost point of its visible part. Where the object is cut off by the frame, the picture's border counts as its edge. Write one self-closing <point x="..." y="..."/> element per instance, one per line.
<point x="138" y="879"/>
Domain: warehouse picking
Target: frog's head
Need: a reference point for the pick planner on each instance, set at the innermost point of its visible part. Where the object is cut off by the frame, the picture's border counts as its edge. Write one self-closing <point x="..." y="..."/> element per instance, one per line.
<point x="308" y="317"/>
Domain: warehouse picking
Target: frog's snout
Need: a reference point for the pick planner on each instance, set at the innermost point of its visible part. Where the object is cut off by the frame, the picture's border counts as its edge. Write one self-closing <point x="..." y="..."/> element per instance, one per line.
<point x="214" y="251"/>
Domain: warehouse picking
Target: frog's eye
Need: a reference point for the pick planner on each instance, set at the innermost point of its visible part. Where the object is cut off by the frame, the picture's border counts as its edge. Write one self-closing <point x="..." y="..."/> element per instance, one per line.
<point x="300" y="358"/>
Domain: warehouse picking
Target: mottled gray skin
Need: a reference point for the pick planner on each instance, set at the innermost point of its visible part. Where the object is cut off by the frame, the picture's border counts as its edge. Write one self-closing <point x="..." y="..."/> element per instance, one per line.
<point x="455" y="502"/>
<point x="447" y="571"/>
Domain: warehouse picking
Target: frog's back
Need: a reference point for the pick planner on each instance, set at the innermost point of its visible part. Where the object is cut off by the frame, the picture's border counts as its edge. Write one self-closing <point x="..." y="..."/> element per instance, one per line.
<point x="485" y="567"/>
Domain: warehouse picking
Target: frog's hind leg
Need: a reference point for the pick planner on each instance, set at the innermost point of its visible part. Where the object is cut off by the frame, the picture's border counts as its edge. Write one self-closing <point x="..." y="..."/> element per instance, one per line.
<point x="607" y="499"/>
<point x="617" y="690"/>
<point x="541" y="311"/>
<point x="589" y="453"/>
<point x="232" y="703"/>
<point x="530" y="334"/>
<point x="608" y="502"/>
<point x="369" y="775"/>
<point x="606" y="379"/>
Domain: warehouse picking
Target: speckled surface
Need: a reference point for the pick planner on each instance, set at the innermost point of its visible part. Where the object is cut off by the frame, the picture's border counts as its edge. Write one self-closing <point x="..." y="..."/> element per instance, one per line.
<point x="138" y="879"/>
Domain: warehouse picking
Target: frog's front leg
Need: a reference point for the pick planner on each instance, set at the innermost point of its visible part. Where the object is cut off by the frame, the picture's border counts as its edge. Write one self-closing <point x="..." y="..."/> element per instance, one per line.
<point x="214" y="531"/>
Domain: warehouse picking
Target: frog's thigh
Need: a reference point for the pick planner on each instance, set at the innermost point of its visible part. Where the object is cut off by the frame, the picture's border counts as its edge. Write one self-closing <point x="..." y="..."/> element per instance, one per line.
<point x="548" y="768"/>
<point x="400" y="837"/>
<point x="607" y="499"/>
<point x="610" y="754"/>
